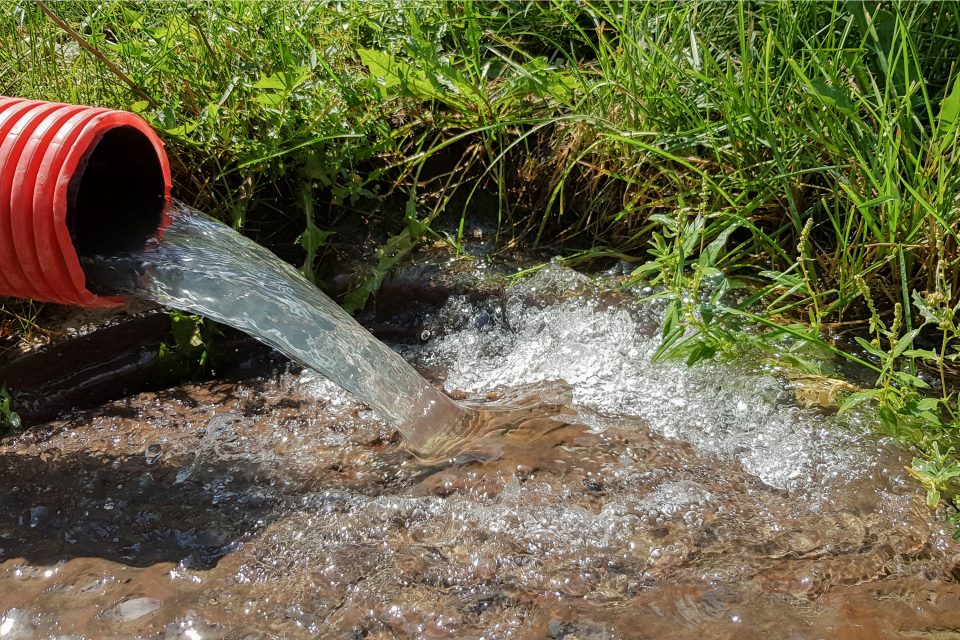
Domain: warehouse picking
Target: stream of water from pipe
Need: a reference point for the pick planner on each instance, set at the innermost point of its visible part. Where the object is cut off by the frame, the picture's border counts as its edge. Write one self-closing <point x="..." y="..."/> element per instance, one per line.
<point x="202" y="266"/>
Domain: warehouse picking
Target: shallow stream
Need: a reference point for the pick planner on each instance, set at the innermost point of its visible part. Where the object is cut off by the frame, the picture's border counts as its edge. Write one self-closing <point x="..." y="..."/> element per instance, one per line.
<point x="620" y="500"/>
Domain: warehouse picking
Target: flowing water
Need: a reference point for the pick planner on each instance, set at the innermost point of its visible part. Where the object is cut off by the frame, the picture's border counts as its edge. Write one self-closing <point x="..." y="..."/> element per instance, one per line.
<point x="204" y="267"/>
<point x="611" y="497"/>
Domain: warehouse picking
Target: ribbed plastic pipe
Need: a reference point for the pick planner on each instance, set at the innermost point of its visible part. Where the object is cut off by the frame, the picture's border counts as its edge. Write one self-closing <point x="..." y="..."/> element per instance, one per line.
<point x="74" y="181"/>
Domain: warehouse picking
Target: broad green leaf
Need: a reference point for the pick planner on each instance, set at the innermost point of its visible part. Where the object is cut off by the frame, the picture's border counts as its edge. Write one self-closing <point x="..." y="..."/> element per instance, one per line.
<point x="857" y="398"/>
<point x="133" y="19"/>
<point x="389" y="255"/>
<point x="905" y="342"/>
<point x="925" y="470"/>
<point x="563" y="84"/>
<point x="416" y="228"/>
<point x="315" y="168"/>
<point x="665" y="220"/>
<point x="870" y="348"/>
<point x="269" y="99"/>
<point x="166" y="118"/>
<point x="950" y="472"/>
<point x="785" y="279"/>
<point x="273" y="82"/>
<point x="914" y="408"/>
<point x="670" y="317"/>
<point x="645" y="268"/>
<point x="888" y="420"/>
<point x="182" y="130"/>
<point x="928" y="404"/>
<point x="924" y="354"/>
<point x="908" y="380"/>
<point x="711" y="253"/>
<point x="185" y="330"/>
<point x="707" y="312"/>
<point x="666" y="344"/>
<point x="397" y="73"/>
<point x="313" y="238"/>
<point x="691" y="235"/>
<point x="949" y="113"/>
<point x="930" y="315"/>
<point x="700" y="351"/>
<point x="834" y="96"/>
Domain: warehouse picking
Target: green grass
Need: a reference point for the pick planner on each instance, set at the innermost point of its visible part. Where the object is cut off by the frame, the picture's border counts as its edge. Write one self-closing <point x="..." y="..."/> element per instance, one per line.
<point x="801" y="154"/>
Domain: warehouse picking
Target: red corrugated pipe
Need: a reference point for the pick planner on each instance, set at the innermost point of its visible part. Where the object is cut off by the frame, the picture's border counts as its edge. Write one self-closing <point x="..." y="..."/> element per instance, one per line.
<point x="74" y="181"/>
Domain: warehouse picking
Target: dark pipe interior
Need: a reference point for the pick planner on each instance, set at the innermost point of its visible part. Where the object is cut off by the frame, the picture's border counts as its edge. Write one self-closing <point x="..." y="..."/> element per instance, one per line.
<point x="117" y="199"/>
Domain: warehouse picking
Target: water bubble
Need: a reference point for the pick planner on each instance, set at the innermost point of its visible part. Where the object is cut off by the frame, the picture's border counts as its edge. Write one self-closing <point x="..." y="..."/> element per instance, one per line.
<point x="38" y="516"/>
<point x="134" y="608"/>
<point x="305" y="519"/>
<point x="152" y="453"/>
<point x="16" y="624"/>
<point x="605" y="352"/>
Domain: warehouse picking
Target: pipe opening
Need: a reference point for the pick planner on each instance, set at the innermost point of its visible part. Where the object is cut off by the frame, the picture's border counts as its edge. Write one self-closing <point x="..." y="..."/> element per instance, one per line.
<point x="117" y="199"/>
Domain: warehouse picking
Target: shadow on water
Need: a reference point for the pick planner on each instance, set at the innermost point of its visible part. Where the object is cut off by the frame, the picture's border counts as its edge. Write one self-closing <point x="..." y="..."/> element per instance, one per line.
<point x="61" y="506"/>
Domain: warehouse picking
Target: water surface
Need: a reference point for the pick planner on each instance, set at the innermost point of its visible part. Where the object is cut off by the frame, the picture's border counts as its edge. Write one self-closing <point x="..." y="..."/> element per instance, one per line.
<point x="631" y="500"/>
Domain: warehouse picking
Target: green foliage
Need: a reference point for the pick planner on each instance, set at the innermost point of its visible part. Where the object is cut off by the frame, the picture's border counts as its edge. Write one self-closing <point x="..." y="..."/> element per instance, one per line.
<point x="9" y="420"/>
<point x="18" y="317"/>
<point x="580" y="118"/>
<point x="837" y="121"/>
<point x="258" y="103"/>
<point x="391" y="253"/>
<point x="936" y="474"/>
<point x="188" y="352"/>
<point x="694" y="288"/>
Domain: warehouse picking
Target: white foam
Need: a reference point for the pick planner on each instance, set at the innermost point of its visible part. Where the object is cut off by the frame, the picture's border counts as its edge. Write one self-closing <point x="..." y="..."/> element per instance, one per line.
<point x="605" y="353"/>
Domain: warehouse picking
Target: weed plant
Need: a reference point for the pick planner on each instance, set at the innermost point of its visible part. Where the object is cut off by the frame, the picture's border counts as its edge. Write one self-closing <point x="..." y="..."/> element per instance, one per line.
<point x="803" y="154"/>
<point x="9" y="419"/>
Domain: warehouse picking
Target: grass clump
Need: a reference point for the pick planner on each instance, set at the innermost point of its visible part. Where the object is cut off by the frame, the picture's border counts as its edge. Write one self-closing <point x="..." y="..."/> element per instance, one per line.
<point x="803" y="154"/>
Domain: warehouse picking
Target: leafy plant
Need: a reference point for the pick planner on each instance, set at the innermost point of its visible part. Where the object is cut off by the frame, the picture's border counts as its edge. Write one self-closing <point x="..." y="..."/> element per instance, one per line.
<point x="9" y="419"/>
<point x="189" y="350"/>
<point x="936" y="474"/>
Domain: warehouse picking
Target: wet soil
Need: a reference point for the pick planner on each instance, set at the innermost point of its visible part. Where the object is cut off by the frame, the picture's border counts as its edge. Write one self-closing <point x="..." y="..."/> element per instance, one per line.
<point x="280" y="508"/>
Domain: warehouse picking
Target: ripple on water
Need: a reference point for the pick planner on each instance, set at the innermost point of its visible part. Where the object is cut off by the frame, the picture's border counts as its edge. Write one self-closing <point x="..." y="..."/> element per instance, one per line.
<point x="133" y="608"/>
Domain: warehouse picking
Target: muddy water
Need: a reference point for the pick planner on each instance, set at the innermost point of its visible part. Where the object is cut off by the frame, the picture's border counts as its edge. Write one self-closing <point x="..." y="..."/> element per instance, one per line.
<point x="631" y="501"/>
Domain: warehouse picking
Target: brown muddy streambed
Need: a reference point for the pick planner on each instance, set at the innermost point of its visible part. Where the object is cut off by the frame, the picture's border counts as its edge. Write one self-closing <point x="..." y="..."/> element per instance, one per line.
<point x="638" y="501"/>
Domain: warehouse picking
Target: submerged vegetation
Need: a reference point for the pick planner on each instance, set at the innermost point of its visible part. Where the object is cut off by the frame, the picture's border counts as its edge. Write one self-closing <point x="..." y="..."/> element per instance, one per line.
<point x="789" y="165"/>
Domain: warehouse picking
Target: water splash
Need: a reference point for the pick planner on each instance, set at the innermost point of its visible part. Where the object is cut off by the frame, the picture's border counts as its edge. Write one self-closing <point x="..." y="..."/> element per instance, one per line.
<point x="204" y="267"/>
<point x="557" y="328"/>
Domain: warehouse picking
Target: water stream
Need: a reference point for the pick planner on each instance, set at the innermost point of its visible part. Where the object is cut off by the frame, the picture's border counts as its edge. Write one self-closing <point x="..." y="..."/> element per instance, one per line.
<point x="202" y="266"/>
